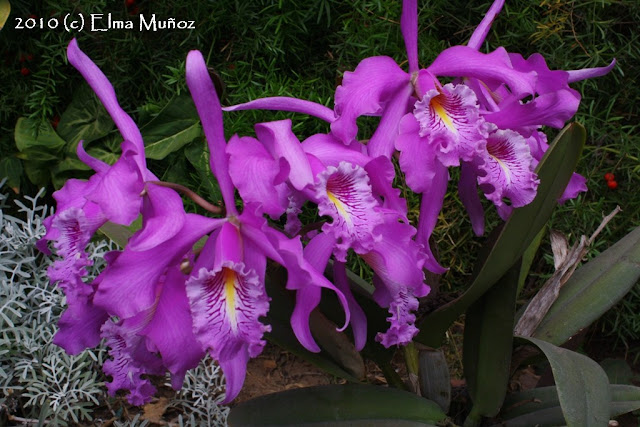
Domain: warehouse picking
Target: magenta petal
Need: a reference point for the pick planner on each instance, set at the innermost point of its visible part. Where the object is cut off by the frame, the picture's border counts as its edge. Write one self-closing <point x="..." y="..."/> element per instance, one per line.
<point x="330" y="152"/>
<point x="128" y="285"/>
<point x="381" y="175"/>
<point x="550" y="109"/>
<point x="301" y="273"/>
<point x="208" y="106"/>
<point x="229" y="245"/>
<point x="162" y="217"/>
<point x="234" y="366"/>
<point x="96" y="164"/>
<point x="588" y="73"/>
<point x="430" y="207"/>
<point x="79" y="325"/>
<point x="548" y="80"/>
<point x="107" y="95"/>
<point x="397" y="259"/>
<point x="285" y="103"/>
<point x="493" y="68"/>
<point x="307" y="299"/>
<point x="409" y="27"/>
<point x="171" y="331"/>
<point x="118" y="192"/>
<point x="577" y="184"/>
<point x="317" y="252"/>
<point x="481" y="31"/>
<point x="398" y="263"/>
<point x="358" y="318"/>
<point x="381" y="142"/>
<point x="280" y="141"/>
<point x="417" y="157"/>
<point x="254" y="172"/>
<point x="365" y="91"/>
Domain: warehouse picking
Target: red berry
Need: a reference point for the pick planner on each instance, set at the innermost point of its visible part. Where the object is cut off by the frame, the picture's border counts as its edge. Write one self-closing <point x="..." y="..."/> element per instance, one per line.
<point x="22" y="58"/>
<point x="55" y="121"/>
<point x="130" y="3"/>
<point x="612" y="184"/>
<point x="25" y="71"/>
<point x="609" y="176"/>
<point x="32" y="16"/>
<point x="29" y="57"/>
<point x="134" y="11"/>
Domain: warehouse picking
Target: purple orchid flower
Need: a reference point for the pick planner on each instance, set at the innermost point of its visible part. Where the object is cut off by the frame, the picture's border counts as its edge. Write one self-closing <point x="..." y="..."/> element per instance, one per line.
<point x="226" y="290"/>
<point x="368" y="217"/>
<point x="478" y="122"/>
<point x="114" y="193"/>
<point x="172" y="304"/>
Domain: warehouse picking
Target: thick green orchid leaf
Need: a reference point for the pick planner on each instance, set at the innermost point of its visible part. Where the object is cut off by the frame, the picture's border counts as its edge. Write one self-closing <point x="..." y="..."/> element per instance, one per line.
<point x="541" y="406"/>
<point x="488" y="342"/>
<point x="527" y="259"/>
<point x="85" y="119"/>
<point x="174" y="127"/>
<point x="554" y="170"/>
<point x="582" y="385"/>
<point x="592" y="290"/>
<point x="337" y="405"/>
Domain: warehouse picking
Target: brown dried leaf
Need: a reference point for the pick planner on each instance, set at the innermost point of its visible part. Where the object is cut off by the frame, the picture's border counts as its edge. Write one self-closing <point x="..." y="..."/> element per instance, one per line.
<point x="559" y="247"/>
<point x="153" y="412"/>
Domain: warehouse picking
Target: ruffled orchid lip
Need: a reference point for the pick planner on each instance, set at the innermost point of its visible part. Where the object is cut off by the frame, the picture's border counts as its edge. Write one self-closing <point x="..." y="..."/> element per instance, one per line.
<point x="508" y="171"/>
<point x="346" y="196"/>
<point x="226" y="305"/>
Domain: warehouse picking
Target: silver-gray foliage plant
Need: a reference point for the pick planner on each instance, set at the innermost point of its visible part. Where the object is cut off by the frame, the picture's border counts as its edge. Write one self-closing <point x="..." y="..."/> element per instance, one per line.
<point x="39" y="376"/>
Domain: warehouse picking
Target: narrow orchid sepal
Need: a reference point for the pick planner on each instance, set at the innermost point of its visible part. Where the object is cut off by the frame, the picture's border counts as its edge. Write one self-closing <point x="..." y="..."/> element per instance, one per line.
<point x="208" y="106"/>
<point x="481" y="31"/>
<point x="285" y="103"/>
<point x="107" y="95"/>
<point x="588" y="73"/>
<point x="409" y="27"/>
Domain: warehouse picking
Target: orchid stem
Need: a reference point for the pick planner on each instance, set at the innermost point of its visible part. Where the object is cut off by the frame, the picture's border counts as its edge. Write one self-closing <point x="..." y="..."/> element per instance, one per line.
<point x="193" y="196"/>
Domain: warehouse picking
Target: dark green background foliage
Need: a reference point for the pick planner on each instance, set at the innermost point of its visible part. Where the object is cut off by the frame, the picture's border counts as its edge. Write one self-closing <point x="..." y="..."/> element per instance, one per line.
<point x="266" y="48"/>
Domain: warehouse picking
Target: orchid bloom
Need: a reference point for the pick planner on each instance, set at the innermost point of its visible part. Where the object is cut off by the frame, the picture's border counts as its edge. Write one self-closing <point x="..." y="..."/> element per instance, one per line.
<point x="367" y="216"/>
<point x="114" y="193"/>
<point x="226" y="290"/>
<point x="479" y="122"/>
<point x="171" y="304"/>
